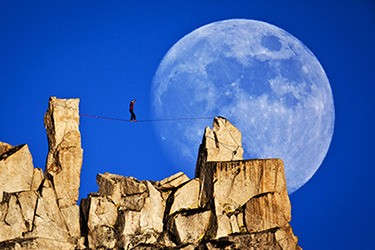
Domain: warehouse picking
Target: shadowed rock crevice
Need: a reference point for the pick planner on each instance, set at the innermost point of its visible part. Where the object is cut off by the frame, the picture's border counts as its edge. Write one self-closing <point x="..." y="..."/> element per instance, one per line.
<point x="231" y="203"/>
<point x="9" y="151"/>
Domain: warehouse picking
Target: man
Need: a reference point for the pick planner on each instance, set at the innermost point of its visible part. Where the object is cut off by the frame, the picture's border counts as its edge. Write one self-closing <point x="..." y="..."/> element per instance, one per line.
<point x="131" y="110"/>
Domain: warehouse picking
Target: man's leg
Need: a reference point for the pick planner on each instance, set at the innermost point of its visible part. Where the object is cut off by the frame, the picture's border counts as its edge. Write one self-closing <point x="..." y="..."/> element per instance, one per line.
<point x="132" y="115"/>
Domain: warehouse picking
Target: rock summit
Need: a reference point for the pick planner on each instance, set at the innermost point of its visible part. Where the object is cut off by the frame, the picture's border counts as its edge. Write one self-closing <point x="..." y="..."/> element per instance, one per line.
<point x="232" y="203"/>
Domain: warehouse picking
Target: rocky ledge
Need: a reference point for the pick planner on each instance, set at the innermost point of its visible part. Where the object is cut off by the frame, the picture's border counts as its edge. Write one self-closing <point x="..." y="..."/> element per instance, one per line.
<point x="231" y="203"/>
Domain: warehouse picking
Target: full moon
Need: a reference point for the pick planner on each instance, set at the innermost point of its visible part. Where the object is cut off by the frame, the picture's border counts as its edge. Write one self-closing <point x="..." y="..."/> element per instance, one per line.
<point x="262" y="79"/>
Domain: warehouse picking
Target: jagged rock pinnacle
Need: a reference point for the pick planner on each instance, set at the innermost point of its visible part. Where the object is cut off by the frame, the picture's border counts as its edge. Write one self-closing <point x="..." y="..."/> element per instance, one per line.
<point x="231" y="204"/>
<point x="221" y="143"/>
<point x="39" y="211"/>
<point x="64" y="160"/>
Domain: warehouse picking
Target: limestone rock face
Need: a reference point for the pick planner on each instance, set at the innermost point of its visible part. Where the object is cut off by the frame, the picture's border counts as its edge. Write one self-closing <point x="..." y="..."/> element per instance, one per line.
<point x="232" y="203"/>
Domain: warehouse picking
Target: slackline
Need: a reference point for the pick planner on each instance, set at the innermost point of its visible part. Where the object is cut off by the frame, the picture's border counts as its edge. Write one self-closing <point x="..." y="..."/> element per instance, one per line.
<point x="153" y="120"/>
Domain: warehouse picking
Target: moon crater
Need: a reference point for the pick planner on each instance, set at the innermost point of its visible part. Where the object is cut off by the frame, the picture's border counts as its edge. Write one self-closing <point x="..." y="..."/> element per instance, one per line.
<point x="271" y="43"/>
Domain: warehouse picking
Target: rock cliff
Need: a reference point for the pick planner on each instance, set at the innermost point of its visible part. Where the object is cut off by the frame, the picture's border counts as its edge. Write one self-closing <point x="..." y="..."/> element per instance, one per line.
<point x="38" y="210"/>
<point x="231" y="203"/>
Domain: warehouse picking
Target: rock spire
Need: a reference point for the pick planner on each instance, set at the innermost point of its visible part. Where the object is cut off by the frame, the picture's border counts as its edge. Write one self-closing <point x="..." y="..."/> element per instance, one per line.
<point x="231" y="203"/>
<point x="64" y="159"/>
<point x="40" y="211"/>
<point x="221" y="143"/>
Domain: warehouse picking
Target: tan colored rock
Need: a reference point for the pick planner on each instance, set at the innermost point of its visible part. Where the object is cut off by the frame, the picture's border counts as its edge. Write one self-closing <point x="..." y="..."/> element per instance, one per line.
<point x="45" y="228"/>
<point x="134" y="202"/>
<point x="48" y="222"/>
<point x="37" y="179"/>
<point x="102" y="237"/>
<point x="286" y="238"/>
<point x="109" y="187"/>
<point x="153" y="211"/>
<point x="224" y="227"/>
<point x="102" y="212"/>
<point x="263" y="240"/>
<point x="4" y="147"/>
<point x="132" y="221"/>
<point x="192" y="228"/>
<point x="37" y="244"/>
<point x="277" y="239"/>
<point x="221" y="143"/>
<point x="8" y="232"/>
<point x="267" y="211"/>
<point x="16" y="170"/>
<point x="241" y="222"/>
<point x="3" y="209"/>
<point x="233" y="184"/>
<point x="66" y="183"/>
<point x="101" y="220"/>
<point x="146" y="225"/>
<point x="186" y="197"/>
<point x="146" y="240"/>
<point x="230" y="223"/>
<point x="14" y="217"/>
<point x="239" y="181"/>
<point x="165" y="240"/>
<point x="64" y="160"/>
<point x="71" y="217"/>
<point x="232" y="204"/>
<point x="117" y="187"/>
<point x="188" y="247"/>
<point x="235" y="228"/>
<point x="173" y="181"/>
<point x="139" y="219"/>
<point x="27" y="201"/>
<point x="50" y="208"/>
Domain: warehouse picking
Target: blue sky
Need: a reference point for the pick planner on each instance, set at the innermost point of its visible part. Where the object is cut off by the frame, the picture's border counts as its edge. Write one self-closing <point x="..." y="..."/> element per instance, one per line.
<point x="107" y="52"/>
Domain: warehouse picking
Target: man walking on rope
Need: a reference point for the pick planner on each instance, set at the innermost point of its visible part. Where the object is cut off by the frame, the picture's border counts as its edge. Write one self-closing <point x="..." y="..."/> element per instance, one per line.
<point x="131" y="110"/>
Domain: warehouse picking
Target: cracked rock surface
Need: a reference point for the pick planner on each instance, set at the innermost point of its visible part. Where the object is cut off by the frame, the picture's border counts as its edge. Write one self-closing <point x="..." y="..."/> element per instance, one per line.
<point x="38" y="210"/>
<point x="231" y="203"/>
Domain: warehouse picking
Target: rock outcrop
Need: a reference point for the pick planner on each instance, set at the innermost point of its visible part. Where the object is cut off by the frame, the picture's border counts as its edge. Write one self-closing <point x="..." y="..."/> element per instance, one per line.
<point x="231" y="203"/>
<point x="64" y="160"/>
<point x="221" y="143"/>
<point x="39" y="211"/>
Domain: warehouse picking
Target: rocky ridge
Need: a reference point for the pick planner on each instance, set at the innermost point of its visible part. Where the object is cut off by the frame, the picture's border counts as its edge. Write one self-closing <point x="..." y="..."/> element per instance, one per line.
<point x="232" y="203"/>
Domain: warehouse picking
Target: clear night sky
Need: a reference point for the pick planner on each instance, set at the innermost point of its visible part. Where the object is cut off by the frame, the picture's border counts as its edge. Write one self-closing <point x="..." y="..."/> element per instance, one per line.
<point x="106" y="53"/>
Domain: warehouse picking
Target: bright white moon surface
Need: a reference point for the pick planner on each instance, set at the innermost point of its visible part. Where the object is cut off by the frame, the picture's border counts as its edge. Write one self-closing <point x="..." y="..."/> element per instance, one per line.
<point x="262" y="79"/>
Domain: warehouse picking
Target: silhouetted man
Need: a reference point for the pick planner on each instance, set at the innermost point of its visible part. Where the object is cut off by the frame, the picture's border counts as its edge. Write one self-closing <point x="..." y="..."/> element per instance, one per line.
<point x="131" y="110"/>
